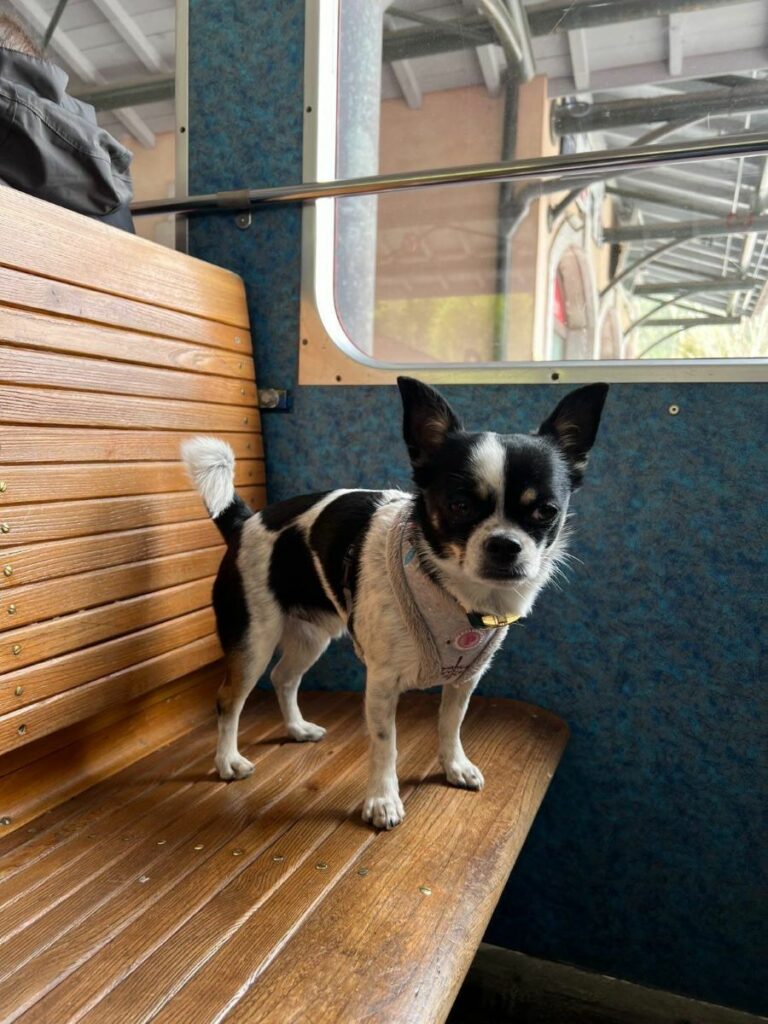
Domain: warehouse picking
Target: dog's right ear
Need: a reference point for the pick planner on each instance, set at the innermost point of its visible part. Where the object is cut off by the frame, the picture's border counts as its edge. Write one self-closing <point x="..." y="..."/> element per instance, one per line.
<point x="427" y="419"/>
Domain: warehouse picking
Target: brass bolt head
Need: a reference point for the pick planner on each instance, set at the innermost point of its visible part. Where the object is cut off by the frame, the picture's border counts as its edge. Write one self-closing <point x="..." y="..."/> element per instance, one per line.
<point x="11" y="609"/>
<point x="321" y="865"/>
<point x="16" y="649"/>
<point x="7" y="570"/>
<point x="425" y="890"/>
<point x="18" y="691"/>
<point x="5" y="527"/>
<point x="3" y="486"/>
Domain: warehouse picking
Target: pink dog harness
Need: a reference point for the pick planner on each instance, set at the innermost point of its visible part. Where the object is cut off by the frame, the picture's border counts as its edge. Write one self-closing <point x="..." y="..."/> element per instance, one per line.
<point x="453" y="644"/>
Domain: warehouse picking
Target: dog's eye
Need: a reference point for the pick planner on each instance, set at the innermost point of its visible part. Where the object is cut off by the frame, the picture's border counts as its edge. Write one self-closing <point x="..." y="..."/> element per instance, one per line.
<point x="458" y="507"/>
<point x="545" y="513"/>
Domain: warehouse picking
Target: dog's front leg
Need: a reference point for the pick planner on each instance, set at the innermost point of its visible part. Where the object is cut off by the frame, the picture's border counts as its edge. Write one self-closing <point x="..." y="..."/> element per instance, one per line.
<point x="459" y="770"/>
<point x="383" y="806"/>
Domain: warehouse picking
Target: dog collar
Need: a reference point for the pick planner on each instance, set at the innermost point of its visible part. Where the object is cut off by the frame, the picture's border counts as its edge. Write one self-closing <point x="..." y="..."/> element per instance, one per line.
<point x="479" y="620"/>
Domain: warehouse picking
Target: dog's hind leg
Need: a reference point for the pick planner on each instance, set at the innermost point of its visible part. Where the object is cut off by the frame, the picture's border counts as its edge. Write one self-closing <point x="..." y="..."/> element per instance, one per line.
<point x="244" y="666"/>
<point x="302" y="644"/>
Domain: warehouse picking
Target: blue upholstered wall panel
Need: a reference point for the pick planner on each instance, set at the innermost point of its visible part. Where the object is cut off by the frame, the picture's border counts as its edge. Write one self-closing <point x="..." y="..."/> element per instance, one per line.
<point x="645" y="861"/>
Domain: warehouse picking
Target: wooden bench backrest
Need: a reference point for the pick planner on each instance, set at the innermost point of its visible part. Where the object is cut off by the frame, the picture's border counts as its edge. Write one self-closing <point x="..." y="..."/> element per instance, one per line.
<point x="112" y="350"/>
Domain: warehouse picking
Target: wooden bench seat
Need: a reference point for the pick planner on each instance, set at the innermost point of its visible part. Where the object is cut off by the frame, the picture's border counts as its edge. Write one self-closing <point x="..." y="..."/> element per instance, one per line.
<point x="134" y="885"/>
<point x="162" y="894"/>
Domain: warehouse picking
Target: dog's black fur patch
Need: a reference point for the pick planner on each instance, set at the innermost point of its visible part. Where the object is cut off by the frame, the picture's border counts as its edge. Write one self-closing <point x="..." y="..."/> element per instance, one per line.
<point x="292" y="575"/>
<point x="337" y="537"/>
<point x="229" y="602"/>
<point x="282" y="513"/>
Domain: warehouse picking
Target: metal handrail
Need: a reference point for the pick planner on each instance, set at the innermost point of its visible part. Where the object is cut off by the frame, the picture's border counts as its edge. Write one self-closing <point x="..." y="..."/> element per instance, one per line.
<point x="603" y="163"/>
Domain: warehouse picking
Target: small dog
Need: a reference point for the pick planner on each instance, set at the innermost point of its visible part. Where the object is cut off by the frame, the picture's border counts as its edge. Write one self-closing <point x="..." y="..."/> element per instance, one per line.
<point x="426" y="583"/>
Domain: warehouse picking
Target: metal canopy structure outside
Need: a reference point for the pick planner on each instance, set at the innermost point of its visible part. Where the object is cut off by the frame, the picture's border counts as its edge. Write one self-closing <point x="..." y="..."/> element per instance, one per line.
<point x="624" y="73"/>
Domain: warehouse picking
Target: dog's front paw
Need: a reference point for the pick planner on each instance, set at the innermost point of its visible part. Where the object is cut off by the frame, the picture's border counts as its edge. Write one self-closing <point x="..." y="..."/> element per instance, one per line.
<point x="384" y="811"/>
<point x="463" y="773"/>
<point x="234" y="767"/>
<point x="306" y="732"/>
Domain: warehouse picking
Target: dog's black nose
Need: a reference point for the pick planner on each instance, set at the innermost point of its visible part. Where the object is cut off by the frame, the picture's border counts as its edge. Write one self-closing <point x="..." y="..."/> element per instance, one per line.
<point x="503" y="549"/>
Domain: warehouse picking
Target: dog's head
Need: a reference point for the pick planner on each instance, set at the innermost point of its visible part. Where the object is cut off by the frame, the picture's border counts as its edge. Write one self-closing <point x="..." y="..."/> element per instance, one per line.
<point x="492" y="506"/>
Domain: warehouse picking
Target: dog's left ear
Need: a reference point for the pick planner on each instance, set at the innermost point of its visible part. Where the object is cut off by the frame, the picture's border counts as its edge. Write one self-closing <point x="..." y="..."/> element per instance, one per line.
<point x="573" y="426"/>
<point x="427" y="419"/>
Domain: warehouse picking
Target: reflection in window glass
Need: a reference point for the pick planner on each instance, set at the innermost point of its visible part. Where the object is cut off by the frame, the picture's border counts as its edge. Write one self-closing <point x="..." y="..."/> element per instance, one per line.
<point x="119" y="58"/>
<point x="669" y="262"/>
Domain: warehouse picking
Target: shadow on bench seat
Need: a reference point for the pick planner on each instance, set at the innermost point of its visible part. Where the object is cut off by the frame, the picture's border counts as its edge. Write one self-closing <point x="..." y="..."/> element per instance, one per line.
<point x="162" y="894"/>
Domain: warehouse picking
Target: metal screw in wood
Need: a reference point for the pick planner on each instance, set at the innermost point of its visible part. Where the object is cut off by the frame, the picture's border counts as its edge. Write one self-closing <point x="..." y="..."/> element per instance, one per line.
<point x="278" y="858"/>
<point x="425" y="890"/>
<point x="18" y="691"/>
<point x="5" y="820"/>
<point x="11" y="609"/>
<point x="16" y="649"/>
<point x="3" y="486"/>
<point x="321" y="865"/>
<point x="237" y="853"/>
<point x="21" y="730"/>
<point x="198" y="846"/>
<point x="8" y="570"/>
<point x="674" y="410"/>
<point x="362" y="871"/>
<point x="5" y="527"/>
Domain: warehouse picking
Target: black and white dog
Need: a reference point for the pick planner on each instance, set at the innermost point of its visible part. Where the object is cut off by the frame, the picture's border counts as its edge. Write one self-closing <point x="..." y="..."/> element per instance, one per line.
<point x="426" y="583"/>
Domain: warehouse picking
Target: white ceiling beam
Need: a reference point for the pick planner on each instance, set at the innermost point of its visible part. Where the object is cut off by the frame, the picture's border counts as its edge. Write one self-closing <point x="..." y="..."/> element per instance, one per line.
<point x="32" y="12"/>
<point x="696" y="66"/>
<point x="491" y="60"/>
<point x="405" y="76"/>
<point x="577" y="44"/>
<point x="125" y="26"/>
<point x="408" y="82"/>
<point x="676" y="37"/>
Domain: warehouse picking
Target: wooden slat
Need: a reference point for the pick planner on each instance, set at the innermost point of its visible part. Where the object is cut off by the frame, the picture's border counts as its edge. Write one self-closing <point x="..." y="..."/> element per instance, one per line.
<point x="464" y="867"/>
<point x="21" y="366"/>
<point x="52" y="407"/>
<point x="76" y="854"/>
<point x="57" y="675"/>
<point x="50" y="333"/>
<point x="44" y="600"/>
<point x="47" y="296"/>
<point x="61" y="710"/>
<point x="29" y="524"/>
<point x="68" y="557"/>
<point x="267" y="935"/>
<point x="19" y="762"/>
<point x="149" y="722"/>
<point x="31" y="644"/>
<point x="54" y="444"/>
<point x="319" y="800"/>
<point x="84" y="252"/>
<point x="185" y="820"/>
<point x="107" y="480"/>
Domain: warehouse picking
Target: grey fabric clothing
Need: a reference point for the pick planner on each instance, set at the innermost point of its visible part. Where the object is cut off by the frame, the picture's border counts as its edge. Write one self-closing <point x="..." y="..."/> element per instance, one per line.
<point x="52" y="147"/>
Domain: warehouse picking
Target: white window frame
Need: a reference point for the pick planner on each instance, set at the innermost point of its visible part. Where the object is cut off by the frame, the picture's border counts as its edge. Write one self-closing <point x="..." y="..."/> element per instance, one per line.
<point x="326" y="353"/>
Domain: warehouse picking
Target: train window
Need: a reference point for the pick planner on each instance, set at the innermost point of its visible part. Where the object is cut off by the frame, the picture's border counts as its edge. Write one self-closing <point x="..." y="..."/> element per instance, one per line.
<point x="664" y="263"/>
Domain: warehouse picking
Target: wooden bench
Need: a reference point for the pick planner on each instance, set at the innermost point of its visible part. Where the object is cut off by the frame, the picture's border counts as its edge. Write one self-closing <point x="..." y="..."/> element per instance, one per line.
<point x="135" y="886"/>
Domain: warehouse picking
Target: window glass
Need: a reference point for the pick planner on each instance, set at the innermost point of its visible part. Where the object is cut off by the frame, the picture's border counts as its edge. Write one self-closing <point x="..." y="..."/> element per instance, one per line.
<point x="668" y="262"/>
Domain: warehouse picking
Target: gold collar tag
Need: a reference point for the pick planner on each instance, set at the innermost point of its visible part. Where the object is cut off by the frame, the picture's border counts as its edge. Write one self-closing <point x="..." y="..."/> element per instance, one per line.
<point x="481" y="621"/>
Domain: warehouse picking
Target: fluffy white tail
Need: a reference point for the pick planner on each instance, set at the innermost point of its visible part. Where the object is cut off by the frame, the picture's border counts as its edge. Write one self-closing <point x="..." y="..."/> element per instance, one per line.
<point x="211" y="466"/>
